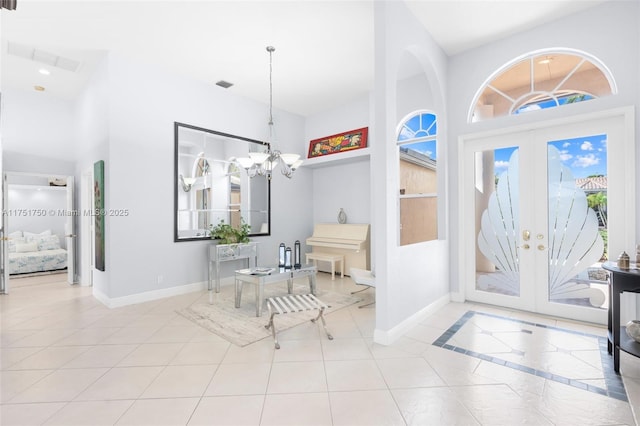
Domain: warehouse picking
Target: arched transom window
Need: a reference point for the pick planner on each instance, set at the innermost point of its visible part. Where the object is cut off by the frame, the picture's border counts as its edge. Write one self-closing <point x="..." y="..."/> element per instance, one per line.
<point x="539" y="80"/>
<point x="418" y="197"/>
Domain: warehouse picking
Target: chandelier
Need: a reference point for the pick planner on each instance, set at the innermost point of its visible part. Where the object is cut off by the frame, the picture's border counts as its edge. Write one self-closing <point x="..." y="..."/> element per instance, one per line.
<point x="263" y="163"/>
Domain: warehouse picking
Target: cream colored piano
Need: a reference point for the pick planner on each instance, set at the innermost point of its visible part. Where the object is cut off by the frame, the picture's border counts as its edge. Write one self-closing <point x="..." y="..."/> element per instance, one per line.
<point x="349" y="239"/>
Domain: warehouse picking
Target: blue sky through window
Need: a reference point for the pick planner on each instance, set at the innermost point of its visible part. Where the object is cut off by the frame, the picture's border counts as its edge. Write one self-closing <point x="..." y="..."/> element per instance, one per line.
<point x="420" y="126"/>
<point x="585" y="156"/>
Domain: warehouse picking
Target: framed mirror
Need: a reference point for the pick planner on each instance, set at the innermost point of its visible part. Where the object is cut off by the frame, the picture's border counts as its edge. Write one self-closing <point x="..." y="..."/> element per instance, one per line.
<point x="210" y="186"/>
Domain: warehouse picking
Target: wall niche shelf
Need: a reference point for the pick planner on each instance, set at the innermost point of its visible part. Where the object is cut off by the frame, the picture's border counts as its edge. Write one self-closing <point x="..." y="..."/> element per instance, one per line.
<point x="348" y="157"/>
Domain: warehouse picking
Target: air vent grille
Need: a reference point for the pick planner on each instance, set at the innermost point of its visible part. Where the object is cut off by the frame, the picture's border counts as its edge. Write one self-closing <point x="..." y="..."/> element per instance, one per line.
<point x="44" y="57"/>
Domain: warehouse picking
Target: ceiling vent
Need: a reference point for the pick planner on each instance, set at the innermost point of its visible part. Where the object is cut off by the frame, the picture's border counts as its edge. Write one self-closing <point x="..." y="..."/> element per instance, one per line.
<point x="224" y="84"/>
<point x="43" y="57"/>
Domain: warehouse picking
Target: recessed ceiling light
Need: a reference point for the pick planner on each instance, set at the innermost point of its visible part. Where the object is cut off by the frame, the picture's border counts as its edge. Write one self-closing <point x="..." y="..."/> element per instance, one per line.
<point x="546" y="60"/>
<point x="44" y="71"/>
<point x="224" y="84"/>
<point x="39" y="88"/>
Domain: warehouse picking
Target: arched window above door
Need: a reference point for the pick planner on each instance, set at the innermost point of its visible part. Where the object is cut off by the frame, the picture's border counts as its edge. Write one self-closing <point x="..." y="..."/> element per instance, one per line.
<point x="540" y="80"/>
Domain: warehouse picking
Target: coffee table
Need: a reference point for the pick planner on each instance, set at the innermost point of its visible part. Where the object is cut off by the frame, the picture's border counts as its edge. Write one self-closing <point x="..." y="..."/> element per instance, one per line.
<point x="261" y="276"/>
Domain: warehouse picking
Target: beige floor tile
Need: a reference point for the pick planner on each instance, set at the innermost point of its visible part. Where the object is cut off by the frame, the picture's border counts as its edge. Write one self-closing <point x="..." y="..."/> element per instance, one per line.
<point x="433" y="406"/>
<point x="28" y="414"/>
<point x="60" y="385"/>
<point x="10" y="356"/>
<point x="130" y="335"/>
<point x="43" y="337"/>
<point x="152" y="354"/>
<point x="404" y="347"/>
<point x="261" y="351"/>
<point x="14" y="382"/>
<point x="120" y="383"/>
<point x="228" y="411"/>
<point x="366" y="408"/>
<point x="299" y="350"/>
<point x="88" y="336"/>
<point x="353" y="375"/>
<point x="174" y="334"/>
<point x="101" y="356"/>
<point x="297" y="377"/>
<point x="240" y="379"/>
<point x="181" y="381"/>
<point x="343" y="349"/>
<point x="201" y="353"/>
<point x="50" y="358"/>
<point x="408" y="373"/>
<point x="156" y="412"/>
<point x="94" y="413"/>
<point x="296" y="410"/>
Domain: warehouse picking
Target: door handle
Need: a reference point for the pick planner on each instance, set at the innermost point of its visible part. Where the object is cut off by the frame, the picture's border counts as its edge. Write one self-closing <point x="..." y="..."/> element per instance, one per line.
<point x="70" y="235"/>
<point x="526" y="235"/>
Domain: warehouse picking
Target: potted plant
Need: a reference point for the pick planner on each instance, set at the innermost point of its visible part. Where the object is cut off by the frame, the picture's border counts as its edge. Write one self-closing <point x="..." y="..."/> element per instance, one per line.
<point x="227" y="234"/>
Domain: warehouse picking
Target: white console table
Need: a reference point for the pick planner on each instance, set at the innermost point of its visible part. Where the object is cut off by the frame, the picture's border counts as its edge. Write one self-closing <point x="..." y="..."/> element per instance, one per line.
<point x="225" y="252"/>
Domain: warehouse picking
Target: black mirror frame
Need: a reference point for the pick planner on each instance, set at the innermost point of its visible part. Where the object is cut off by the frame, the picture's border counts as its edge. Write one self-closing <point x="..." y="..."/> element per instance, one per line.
<point x="176" y="127"/>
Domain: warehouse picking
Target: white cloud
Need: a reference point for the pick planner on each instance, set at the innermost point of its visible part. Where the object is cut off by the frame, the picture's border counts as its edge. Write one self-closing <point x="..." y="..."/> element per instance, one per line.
<point x="501" y="164"/>
<point x="566" y="144"/>
<point x="586" y="160"/>
<point x="565" y="156"/>
<point x="586" y="146"/>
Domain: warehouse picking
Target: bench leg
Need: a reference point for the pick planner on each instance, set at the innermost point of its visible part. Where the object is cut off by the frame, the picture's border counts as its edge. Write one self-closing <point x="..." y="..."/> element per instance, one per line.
<point x="324" y="323"/>
<point x="272" y="326"/>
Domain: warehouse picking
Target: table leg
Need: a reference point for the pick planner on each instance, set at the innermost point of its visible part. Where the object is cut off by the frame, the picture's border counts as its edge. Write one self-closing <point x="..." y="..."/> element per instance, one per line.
<point x="259" y="298"/>
<point x="210" y="277"/>
<point x="290" y="285"/>
<point x="238" y="292"/>
<point x="217" y="277"/>
<point x="312" y="283"/>
<point x="615" y="325"/>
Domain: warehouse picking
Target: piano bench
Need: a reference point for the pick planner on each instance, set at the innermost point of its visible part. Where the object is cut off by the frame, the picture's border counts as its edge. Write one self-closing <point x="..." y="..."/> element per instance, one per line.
<point x="328" y="257"/>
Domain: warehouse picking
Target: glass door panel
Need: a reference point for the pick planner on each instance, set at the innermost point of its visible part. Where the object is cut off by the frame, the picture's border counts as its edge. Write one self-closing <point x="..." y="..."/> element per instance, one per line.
<point x="498" y="228"/>
<point x="577" y="188"/>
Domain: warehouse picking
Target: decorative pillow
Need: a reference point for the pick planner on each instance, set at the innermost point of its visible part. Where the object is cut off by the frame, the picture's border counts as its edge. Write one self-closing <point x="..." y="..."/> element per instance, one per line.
<point x="30" y="236"/>
<point x="15" y="234"/>
<point x="26" y="247"/>
<point x="51" y="242"/>
<point x="13" y="241"/>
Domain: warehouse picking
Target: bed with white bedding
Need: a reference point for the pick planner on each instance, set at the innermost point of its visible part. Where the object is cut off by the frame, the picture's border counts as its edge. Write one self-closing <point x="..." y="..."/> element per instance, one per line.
<point x="29" y="252"/>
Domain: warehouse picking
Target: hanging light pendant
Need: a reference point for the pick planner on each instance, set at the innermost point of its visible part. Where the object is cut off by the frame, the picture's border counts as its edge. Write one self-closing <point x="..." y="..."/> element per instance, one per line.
<point x="263" y="163"/>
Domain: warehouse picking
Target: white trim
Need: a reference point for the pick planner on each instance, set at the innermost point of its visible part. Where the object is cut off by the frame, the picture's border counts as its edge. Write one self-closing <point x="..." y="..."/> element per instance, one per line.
<point x="530" y="55"/>
<point x="148" y="296"/>
<point x="386" y="338"/>
<point x="626" y="114"/>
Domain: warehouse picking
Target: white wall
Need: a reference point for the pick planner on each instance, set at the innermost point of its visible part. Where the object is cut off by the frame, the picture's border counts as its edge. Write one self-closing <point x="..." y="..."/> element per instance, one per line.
<point x="410" y="280"/>
<point x="33" y="198"/>
<point x="610" y="32"/>
<point x="346" y="186"/>
<point x="91" y="143"/>
<point x="144" y="103"/>
<point x="37" y="123"/>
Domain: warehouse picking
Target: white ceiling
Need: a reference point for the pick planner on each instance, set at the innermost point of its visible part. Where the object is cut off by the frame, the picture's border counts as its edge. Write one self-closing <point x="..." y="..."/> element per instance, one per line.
<point x="324" y="49"/>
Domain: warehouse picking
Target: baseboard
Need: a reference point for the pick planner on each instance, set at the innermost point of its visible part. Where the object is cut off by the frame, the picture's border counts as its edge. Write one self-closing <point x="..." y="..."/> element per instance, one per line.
<point x="387" y="337"/>
<point x="148" y="296"/>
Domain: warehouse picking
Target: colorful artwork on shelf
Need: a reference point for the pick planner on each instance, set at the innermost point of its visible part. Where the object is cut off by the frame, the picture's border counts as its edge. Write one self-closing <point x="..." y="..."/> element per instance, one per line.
<point x="342" y="142"/>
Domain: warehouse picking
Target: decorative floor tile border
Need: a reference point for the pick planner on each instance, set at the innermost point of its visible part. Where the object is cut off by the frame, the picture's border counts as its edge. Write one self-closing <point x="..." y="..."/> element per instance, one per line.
<point x="613" y="381"/>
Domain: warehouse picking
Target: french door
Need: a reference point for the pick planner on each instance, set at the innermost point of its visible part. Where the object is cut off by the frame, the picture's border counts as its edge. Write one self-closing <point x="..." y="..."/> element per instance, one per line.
<point x="544" y="207"/>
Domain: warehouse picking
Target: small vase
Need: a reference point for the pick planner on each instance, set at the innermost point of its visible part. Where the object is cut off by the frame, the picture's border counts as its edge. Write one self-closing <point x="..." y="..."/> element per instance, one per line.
<point x="633" y="330"/>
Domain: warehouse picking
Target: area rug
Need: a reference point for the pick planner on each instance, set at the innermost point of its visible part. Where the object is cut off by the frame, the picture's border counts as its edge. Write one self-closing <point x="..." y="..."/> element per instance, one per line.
<point x="241" y="327"/>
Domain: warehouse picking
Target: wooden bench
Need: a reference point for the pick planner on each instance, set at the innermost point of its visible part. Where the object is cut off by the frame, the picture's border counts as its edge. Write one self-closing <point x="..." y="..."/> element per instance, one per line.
<point x="328" y="257"/>
<point x="291" y="303"/>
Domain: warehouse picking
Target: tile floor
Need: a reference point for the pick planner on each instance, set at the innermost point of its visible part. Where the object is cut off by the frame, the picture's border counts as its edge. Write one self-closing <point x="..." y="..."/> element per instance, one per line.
<point x="68" y="360"/>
